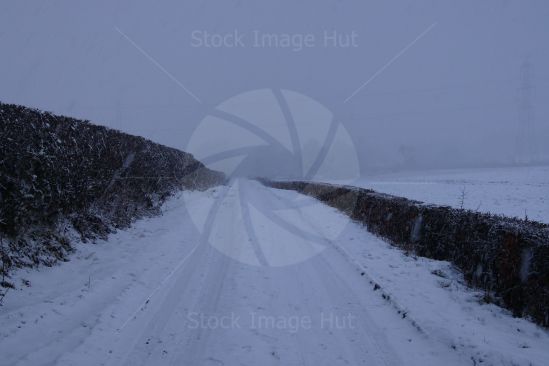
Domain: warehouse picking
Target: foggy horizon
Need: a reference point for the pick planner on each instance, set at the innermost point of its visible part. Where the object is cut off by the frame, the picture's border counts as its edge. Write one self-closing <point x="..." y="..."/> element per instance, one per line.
<point x="446" y="86"/>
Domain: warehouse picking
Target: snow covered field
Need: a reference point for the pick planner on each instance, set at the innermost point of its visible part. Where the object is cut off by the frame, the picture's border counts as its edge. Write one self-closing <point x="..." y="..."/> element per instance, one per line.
<point x="516" y="192"/>
<point x="154" y="295"/>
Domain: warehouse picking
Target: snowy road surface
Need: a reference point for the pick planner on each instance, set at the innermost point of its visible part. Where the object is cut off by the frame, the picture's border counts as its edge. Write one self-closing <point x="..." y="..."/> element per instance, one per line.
<point x="157" y="294"/>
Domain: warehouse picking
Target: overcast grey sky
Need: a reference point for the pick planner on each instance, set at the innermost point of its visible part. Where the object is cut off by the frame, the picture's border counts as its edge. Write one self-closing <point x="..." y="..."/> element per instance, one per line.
<point x="451" y="98"/>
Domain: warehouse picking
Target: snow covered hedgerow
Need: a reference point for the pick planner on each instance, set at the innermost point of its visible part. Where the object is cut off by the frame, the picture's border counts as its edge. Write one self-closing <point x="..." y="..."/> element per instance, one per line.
<point x="59" y="175"/>
<point x="506" y="257"/>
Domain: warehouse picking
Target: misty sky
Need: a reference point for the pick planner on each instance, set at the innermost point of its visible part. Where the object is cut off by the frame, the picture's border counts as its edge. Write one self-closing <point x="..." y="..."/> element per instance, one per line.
<point x="452" y="98"/>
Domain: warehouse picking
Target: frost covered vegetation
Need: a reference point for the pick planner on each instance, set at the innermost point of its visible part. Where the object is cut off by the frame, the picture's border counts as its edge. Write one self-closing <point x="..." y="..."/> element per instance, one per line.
<point x="506" y="257"/>
<point x="62" y="178"/>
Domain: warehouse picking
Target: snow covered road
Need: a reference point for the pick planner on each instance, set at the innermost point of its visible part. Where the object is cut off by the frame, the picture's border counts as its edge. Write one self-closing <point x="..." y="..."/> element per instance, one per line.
<point x="159" y="294"/>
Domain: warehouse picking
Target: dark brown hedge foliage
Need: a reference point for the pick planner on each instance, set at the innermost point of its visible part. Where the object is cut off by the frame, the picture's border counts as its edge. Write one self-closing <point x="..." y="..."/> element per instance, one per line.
<point x="506" y="257"/>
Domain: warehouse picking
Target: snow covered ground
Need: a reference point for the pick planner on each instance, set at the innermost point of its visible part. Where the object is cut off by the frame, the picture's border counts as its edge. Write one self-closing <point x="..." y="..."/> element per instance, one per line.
<point x="157" y="294"/>
<point x="516" y="192"/>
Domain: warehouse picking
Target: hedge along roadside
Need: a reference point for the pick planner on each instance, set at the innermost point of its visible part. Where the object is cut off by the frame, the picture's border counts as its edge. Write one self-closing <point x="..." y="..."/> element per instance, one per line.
<point x="506" y="257"/>
<point x="59" y="173"/>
